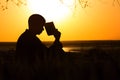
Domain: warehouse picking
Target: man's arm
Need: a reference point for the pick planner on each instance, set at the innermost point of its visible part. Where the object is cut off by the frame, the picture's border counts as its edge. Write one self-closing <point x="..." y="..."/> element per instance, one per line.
<point x="57" y="46"/>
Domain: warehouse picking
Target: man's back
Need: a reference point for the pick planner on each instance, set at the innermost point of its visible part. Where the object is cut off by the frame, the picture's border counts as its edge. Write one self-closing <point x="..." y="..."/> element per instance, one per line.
<point x="28" y="45"/>
<point x="30" y="54"/>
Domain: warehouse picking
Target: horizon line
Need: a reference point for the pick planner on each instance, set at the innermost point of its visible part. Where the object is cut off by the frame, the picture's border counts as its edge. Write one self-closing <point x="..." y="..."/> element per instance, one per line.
<point x="62" y="41"/>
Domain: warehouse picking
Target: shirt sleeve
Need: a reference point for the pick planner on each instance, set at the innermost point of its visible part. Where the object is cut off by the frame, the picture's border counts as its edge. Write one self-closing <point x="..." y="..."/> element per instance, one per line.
<point x="56" y="48"/>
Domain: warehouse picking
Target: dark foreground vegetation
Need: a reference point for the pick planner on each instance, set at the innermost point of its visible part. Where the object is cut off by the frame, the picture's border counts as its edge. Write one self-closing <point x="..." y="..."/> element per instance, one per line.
<point x="92" y="64"/>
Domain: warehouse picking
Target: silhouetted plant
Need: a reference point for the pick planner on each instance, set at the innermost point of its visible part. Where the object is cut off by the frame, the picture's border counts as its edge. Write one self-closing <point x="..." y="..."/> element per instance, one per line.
<point x="4" y="3"/>
<point x="116" y="1"/>
<point x="82" y="3"/>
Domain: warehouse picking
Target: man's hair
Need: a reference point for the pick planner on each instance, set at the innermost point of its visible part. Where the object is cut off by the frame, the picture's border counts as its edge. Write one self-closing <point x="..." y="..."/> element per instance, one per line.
<point x="36" y="19"/>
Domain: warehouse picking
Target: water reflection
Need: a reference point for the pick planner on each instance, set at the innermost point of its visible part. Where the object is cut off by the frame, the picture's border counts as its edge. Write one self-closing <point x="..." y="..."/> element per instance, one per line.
<point x="75" y="49"/>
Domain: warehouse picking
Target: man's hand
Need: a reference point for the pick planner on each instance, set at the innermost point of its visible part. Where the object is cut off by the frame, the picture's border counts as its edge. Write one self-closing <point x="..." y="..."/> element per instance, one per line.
<point x="57" y="35"/>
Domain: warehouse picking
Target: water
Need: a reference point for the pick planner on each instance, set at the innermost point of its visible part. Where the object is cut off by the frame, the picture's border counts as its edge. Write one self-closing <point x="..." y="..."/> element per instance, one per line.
<point x="79" y="46"/>
<point x="72" y="46"/>
<point x="75" y="49"/>
<point x="5" y="46"/>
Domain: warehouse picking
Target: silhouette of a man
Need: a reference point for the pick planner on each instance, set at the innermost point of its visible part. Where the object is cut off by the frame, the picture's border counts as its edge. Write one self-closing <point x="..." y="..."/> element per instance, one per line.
<point x="28" y="43"/>
<point x="29" y="46"/>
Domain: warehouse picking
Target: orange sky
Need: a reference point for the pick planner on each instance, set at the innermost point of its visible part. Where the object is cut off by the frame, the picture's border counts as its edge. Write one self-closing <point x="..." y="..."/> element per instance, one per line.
<point x="99" y="21"/>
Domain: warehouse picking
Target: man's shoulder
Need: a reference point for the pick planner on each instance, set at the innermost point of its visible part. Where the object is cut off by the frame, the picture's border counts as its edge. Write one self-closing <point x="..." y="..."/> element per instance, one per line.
<point x="27" y="37"/>
<point x="26" y="34"/>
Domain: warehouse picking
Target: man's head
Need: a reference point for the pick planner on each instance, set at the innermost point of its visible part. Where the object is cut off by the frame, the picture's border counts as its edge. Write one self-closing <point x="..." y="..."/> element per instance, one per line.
<point x="36" y="23"/>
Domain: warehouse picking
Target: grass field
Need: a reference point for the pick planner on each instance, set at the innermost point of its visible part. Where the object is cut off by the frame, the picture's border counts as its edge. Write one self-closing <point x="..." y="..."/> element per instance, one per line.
<point x="93" y="64"/>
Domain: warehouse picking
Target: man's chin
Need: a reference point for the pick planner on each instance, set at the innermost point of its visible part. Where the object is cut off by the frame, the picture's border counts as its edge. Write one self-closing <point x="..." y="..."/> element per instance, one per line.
<point x="39" y="33"/>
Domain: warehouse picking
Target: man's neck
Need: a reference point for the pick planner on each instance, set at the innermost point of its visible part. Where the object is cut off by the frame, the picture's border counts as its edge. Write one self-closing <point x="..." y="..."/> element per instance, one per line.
<point x="32" y="32"/>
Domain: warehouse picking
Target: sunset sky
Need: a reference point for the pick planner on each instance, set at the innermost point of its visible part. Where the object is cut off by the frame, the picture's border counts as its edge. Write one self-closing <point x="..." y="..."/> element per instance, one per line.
<point x="99" y="21"/>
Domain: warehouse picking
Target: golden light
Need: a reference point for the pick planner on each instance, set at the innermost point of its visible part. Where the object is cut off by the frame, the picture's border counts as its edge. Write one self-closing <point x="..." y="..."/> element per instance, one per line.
<point x="52" y="10"/>
<point x="68" y="2"/>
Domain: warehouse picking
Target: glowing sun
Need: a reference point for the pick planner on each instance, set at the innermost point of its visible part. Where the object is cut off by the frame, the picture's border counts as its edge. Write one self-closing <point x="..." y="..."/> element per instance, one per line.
<point x="52" y="10"/>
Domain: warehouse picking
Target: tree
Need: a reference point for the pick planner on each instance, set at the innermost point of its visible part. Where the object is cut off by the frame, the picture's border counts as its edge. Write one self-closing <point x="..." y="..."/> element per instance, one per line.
<point x="116" y="1"/>
<point x="82" y="3"/>
<point x="4" y="3"/>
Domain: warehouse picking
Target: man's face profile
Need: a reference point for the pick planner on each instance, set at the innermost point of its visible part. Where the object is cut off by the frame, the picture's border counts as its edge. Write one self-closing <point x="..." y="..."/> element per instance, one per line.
<point x="39" y="28"/>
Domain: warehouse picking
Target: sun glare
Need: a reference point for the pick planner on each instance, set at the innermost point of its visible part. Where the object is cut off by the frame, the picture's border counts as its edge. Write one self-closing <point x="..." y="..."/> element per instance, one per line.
<point x="52" y="10"/>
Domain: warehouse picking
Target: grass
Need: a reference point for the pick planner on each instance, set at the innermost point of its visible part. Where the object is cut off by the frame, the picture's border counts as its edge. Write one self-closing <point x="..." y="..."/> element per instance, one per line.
<point x="94" y="64"/>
